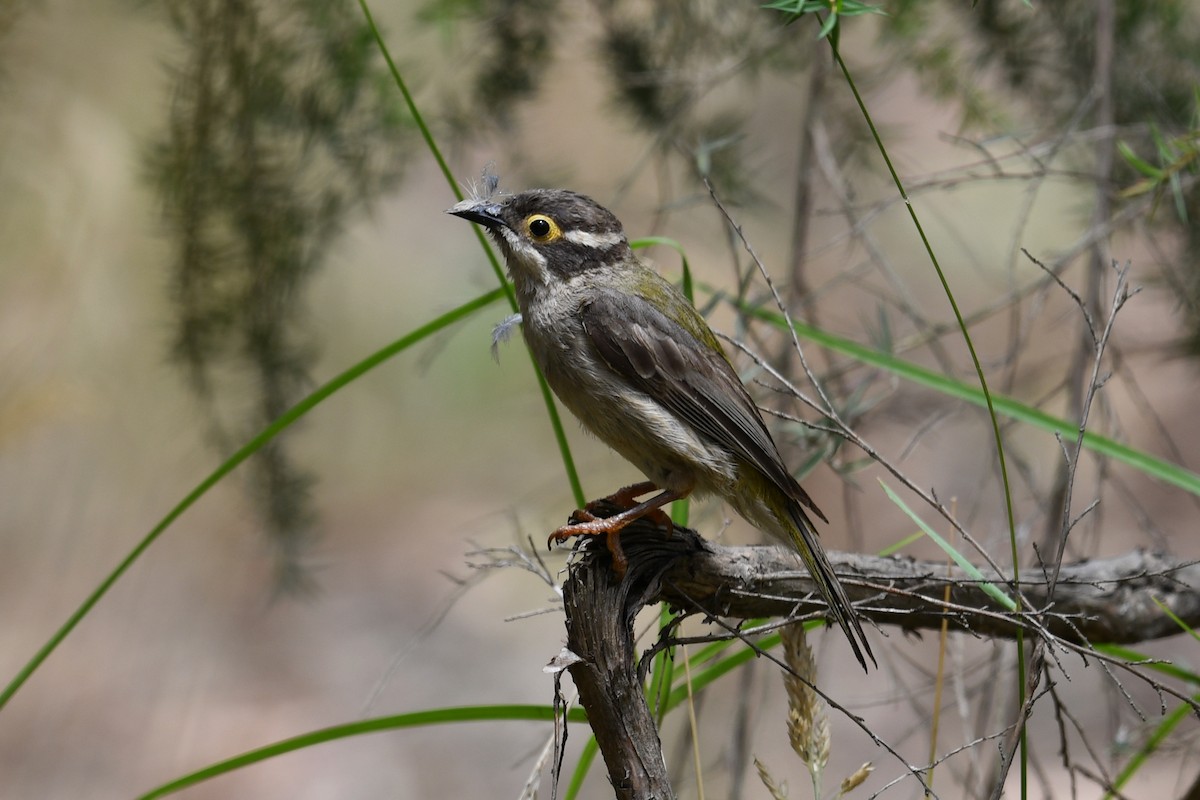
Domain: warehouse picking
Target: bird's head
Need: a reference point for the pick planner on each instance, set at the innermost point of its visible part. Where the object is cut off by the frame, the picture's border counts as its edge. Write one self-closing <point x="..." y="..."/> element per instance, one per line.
<point x="549" y="235"/>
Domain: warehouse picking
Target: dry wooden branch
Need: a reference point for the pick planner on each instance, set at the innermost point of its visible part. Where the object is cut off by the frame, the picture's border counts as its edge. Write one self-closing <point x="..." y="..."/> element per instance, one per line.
<point x="1109" y="601"/>
<point x="600" y="607"/>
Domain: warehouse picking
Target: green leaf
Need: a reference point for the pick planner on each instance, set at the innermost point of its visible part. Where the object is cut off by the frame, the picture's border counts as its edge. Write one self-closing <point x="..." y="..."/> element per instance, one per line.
<point x="1176" y="184"/>
<point x="1132" y="159"/>
<point x="828" y="25"/>
<point x="844" y="8"/>
<point x="1138" y="187"/>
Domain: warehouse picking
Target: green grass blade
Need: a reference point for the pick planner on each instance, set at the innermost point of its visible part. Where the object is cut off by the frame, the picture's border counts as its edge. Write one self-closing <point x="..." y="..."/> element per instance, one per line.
<point x="441" y="716"/>
<point x="250" y="448"/>
<point x="1169" y="723"/>
<point x="997" y="436"/>
<point x="663" y="671"/>
<point x="1006" y="406"/>
<point x="717" y="669"/>
<point x="560" y="434"/>
<point x="1163" y="668"/>
<point x="434" y="150"/>
<point x="993" y="591"/>
<point x="586" y="758"/>
<point x="650" y="241"/>
<point x="900" y="545"/>
<point x="402" y="85"/>
<point x="1183" y="626"/>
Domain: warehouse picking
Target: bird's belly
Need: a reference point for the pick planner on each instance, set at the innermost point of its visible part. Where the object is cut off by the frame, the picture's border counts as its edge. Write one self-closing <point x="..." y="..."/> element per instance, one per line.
<point x="669" y="452"/>
<point x="641" y="430"/>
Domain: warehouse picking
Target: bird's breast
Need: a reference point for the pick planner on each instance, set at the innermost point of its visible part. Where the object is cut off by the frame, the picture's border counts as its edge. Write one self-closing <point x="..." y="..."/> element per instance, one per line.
<point x="667" y="450"/>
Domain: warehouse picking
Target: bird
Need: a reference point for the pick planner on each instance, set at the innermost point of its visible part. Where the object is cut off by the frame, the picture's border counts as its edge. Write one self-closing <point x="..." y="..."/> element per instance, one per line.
<point x="626" y="352"/>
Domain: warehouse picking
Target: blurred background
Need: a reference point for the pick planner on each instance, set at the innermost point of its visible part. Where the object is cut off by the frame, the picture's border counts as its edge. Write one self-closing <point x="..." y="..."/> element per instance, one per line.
<point x="209" y="208"/>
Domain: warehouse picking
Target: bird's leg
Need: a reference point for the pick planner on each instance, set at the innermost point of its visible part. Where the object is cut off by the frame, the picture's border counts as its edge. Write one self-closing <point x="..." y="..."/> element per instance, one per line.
<point x="611" y="527"/>
<point x="626" y="498"/>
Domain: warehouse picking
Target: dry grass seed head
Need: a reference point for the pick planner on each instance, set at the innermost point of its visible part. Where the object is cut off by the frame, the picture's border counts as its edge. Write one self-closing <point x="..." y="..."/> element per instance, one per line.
<point x="808" y="726"/>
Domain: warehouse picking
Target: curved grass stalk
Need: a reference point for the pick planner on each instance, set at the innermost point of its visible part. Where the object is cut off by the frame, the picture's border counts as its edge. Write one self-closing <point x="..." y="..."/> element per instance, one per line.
<point x="277" y="427"/>
<point x="441" y="716"/>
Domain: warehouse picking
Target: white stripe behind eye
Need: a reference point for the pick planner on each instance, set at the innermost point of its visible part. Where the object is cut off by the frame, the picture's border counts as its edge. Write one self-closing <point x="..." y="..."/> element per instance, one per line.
<point x="600" y="241"/>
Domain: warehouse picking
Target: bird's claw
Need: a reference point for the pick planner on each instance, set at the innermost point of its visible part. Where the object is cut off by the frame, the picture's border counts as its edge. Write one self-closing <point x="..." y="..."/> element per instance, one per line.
<point x="585" y="523"/>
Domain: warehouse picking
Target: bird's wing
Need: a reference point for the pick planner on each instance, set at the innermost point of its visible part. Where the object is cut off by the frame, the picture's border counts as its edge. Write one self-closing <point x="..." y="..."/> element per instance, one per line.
<point x="662" y="359"/>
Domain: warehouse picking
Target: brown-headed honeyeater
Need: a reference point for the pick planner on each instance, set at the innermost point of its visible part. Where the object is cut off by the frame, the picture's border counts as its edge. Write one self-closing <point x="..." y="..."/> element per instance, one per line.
<point x="627" y="353"/>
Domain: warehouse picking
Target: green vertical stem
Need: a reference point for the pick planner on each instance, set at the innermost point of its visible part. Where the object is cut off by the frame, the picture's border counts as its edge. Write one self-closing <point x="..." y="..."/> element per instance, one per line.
<point x="1008" y="503"/>
<point x="560" y="435"/>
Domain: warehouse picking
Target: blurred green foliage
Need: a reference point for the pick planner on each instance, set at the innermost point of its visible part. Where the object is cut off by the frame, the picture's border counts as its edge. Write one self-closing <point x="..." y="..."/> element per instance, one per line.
<point x="282" y="126"/>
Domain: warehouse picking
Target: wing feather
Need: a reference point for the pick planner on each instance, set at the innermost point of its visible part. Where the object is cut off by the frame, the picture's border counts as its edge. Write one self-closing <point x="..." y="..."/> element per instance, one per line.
<point x="665" y="361"/>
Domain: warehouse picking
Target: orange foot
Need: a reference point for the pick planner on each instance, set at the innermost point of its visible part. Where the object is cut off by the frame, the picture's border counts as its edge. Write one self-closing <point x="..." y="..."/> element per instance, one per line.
<point x="585" y="523"/>
<point x="626" y="498"/>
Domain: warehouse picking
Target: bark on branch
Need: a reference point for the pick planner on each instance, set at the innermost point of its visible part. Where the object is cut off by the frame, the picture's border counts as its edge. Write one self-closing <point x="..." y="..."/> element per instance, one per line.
<point x="1109" y="601"/>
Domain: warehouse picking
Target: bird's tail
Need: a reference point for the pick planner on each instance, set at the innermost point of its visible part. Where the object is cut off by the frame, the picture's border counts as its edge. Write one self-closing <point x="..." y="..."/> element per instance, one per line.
<point x="804" y="539"/>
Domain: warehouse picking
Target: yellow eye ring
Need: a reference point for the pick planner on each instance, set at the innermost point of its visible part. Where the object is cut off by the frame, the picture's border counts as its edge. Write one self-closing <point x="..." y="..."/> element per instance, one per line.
<point x="542" y="229"/>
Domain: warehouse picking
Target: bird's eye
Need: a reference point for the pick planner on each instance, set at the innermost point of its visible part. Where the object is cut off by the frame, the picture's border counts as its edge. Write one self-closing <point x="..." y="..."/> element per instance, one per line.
<point x="542" y="229"/>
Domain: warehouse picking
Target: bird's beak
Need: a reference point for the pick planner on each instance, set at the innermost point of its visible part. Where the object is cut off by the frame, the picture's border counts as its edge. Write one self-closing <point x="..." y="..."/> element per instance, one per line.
<point x="485" y="212"/>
